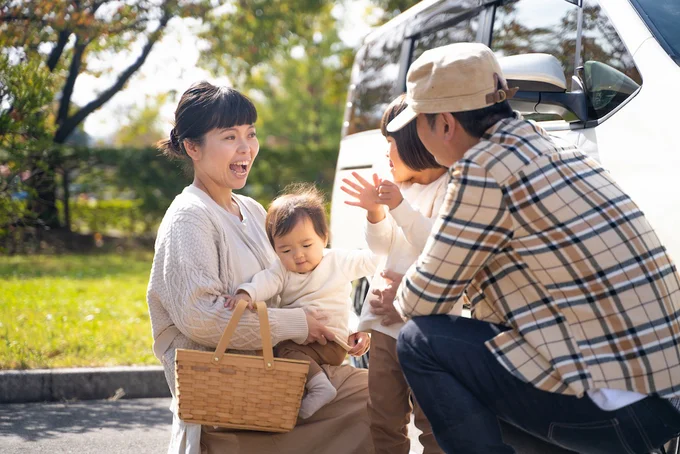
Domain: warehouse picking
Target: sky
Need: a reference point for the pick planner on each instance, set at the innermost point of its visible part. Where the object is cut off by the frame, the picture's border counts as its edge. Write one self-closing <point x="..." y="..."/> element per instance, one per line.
<point x="172" y="66"/>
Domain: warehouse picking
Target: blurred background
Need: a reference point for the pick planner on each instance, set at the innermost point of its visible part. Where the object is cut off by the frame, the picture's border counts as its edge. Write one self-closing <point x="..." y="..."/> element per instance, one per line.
<point x="87" y="87"/>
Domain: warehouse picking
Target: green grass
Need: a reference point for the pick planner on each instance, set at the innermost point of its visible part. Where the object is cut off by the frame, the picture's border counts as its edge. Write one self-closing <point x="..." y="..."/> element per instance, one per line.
<point x="74" y="311"/>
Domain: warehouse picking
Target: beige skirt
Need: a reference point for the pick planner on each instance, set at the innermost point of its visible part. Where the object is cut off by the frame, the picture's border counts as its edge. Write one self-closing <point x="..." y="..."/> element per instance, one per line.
<point x="340" y="427"/>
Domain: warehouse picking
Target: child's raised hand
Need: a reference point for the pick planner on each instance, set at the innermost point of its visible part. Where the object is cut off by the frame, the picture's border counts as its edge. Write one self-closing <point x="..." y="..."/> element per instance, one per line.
<point x="389" y="194"/>
<point x="231" y="301"/>
<point x="365" y="193"/>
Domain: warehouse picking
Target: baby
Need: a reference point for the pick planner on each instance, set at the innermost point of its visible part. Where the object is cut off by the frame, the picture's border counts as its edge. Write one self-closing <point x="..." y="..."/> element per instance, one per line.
<point x="307" y="275"/>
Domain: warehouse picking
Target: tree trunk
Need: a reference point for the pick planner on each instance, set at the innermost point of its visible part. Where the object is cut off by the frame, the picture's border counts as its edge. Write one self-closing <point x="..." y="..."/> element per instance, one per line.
<point x="43" y="202"/>
<point x="67" y="196"/>
<point x="44" y="206"/>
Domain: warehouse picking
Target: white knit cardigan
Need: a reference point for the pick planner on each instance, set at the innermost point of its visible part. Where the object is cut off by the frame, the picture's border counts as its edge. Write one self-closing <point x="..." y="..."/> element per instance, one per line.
<point x="201" y="253"/>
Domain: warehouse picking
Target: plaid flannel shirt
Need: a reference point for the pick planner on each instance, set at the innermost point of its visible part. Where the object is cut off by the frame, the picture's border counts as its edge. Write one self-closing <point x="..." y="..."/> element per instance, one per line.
<point x="546" y="243"/>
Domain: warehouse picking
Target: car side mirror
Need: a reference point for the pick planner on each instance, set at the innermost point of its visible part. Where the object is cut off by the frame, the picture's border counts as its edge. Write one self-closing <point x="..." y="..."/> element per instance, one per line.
<point x="543" y="87"/>
<point x="606" y="87"/>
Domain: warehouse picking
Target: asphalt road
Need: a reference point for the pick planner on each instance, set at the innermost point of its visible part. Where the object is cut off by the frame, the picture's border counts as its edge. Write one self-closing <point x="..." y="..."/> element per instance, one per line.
<point x="123" y="426"/>
<point x="128" y="426"/>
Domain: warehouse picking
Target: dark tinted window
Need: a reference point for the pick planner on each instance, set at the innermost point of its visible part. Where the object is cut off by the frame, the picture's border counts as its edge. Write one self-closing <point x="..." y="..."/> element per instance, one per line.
<point x="663" y="17"/>
<point x="375" y="82"/>
<point x="463" y="31"/>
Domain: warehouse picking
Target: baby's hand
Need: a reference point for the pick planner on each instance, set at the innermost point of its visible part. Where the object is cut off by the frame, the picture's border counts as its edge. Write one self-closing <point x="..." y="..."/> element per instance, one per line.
<point x="389" y="194"/>
<point x="365" y="192"/>
<point x="231" y="301"/>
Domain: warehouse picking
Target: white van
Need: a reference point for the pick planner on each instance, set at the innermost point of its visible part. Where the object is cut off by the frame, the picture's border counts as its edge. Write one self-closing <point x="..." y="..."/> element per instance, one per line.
<point x="602" y="74"/>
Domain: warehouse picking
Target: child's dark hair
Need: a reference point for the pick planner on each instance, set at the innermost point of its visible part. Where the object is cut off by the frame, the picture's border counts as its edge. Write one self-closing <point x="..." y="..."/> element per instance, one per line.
<point x="411" y="150"/>
<point x="299" y="201"/>
<point x="202" y="108"/>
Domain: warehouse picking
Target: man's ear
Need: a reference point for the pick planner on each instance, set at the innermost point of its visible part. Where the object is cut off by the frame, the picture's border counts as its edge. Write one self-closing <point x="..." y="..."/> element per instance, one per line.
<point x="450" y="125"/>
<point x="192" y="148"/>
<point x="325" y="243"/>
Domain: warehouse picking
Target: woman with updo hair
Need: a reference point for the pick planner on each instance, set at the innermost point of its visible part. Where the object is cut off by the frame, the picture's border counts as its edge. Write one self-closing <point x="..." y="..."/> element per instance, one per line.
<point x="210" y="241"/>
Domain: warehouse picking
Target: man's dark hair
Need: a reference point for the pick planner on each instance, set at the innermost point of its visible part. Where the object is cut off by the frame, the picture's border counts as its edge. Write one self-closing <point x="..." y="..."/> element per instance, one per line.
<point x="476" y="122"/>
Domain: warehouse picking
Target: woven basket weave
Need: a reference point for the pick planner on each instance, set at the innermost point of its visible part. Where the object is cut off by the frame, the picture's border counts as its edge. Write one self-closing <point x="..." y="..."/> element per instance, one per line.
<point x="240" y="391"/>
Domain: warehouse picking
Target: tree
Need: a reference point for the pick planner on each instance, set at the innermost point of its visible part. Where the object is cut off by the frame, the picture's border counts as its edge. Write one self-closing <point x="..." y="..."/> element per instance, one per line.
<point x="143" y="128"/>
<point x="303" y="91"/>
<point x="25" y="133"/>
<point x="247" y="33"/>
<point x="298" y="77"/>
<point x="70" y="34"/>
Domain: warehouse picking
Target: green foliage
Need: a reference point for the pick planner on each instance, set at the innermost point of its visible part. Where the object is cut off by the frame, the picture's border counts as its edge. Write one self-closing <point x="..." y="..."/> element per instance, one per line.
<point x="126" y="191"/>
<point x="25" y="91"/>
<point x="119" y="216"/>
<point x="74" y="311"/>
<point x="243" y="34"/>
<point x="275" y="168"/>
<point x="141" y="174"/>
<point x="142" y="128"/>
<point x="303" y="95"/>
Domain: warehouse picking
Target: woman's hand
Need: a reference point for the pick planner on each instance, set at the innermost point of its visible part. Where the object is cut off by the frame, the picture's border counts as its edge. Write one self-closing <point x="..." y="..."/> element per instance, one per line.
<point x="389" y="194"/>
<point x="317" y="331"/>
<point x="365" y="193"/>
<point x="360" y="343"/>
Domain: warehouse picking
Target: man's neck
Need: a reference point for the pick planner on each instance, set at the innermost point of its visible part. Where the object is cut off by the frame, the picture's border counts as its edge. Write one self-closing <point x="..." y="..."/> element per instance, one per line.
<point x="427" y="176"/>
<point x="463" y="144"/>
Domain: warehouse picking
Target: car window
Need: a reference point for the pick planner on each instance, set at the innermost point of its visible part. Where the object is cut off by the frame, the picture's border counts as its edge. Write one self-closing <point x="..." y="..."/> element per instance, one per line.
<point x="533" y="26"/>
<point x="550" y="26"/>
<point x="537" y="26"/>
<point x="602" y="48"/>
<point x="375" y="84"/>
<point x="463" y="31"/>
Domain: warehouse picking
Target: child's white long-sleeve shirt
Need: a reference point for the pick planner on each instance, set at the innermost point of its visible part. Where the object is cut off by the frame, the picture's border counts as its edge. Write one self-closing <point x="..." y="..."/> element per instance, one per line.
<point x="326" y="288"/>
<point x="401" y="237"/>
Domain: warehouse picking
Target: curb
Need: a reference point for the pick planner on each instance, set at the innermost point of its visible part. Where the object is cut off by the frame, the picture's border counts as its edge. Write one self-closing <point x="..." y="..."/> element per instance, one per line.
<point x="49" y="385"/>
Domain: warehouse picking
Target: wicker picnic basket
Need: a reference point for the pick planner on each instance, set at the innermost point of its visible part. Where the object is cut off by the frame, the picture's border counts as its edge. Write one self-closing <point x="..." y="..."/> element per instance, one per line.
<point x="240" y="391"/>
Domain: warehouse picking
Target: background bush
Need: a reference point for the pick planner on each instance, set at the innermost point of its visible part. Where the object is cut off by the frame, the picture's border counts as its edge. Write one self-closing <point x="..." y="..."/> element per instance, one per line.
<point x="125" y="192"/>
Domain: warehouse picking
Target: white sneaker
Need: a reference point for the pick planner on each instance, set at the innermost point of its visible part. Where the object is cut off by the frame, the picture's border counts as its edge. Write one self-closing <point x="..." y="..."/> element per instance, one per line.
<point x="320" y="391"/>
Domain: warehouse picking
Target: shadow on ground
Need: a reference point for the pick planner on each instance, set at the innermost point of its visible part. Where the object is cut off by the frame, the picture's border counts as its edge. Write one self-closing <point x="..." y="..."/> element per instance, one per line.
<point x="33" y="422"/>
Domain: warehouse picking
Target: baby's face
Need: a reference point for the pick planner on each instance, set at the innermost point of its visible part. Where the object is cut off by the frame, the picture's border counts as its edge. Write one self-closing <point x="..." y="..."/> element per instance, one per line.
<point x="301" y="249"/>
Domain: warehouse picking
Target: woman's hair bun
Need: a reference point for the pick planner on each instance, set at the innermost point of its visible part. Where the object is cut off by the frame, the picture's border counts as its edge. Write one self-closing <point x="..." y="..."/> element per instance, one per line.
<point x="171" y="148"/>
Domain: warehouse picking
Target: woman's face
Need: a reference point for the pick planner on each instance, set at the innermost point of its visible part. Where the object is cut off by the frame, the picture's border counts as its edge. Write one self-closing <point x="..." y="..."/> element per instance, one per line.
<point x="226" y="155"/>
<point x="400" y="171"/>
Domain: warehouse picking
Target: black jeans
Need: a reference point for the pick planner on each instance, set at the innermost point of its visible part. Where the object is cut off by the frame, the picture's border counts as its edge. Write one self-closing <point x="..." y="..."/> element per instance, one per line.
<point x="463" y="390"/>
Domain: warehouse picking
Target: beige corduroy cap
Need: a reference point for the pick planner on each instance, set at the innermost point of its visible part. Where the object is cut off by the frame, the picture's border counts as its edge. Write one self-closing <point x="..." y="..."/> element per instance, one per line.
<point x="453" y="78"/>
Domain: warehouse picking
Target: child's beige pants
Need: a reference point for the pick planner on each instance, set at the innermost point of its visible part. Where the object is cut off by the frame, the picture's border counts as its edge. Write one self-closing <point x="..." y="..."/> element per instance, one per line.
<point x="315" y="353"/>
<point x="389" y="405"/>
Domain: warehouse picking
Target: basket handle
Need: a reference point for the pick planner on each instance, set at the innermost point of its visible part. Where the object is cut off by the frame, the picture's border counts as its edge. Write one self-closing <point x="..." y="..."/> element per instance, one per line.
<point x="265" y="333"/>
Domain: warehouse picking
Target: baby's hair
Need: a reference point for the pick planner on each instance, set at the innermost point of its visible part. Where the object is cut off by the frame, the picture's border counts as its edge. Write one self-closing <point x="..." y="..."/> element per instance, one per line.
<point x="409" y="147"/>
<point x="299" y="201"/>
